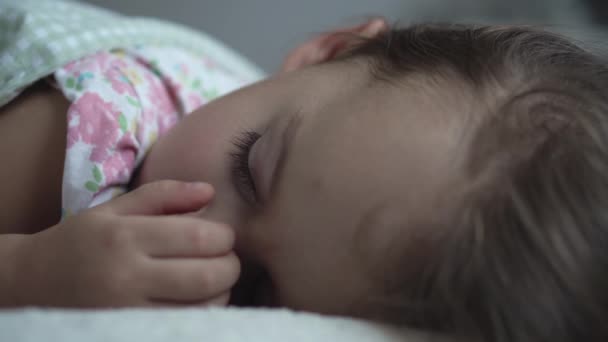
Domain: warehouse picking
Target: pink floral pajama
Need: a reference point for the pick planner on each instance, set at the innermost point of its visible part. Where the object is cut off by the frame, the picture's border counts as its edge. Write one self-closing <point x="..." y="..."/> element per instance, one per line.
<point x="122" y="101"/>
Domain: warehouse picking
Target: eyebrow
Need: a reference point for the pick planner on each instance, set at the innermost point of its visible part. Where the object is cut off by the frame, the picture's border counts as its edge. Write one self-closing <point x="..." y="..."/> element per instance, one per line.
<point x="287" y="138"/>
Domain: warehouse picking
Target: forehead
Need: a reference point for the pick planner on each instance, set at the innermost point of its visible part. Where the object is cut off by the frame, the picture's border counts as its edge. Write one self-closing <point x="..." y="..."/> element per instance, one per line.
<point x="384" y="136"/>
<point x="381" y="148"/>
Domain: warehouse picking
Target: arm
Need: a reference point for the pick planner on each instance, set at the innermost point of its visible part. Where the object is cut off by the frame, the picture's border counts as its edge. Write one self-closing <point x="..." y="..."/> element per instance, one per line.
<point x="32" y="145"/>
<point x="9" y="246"/>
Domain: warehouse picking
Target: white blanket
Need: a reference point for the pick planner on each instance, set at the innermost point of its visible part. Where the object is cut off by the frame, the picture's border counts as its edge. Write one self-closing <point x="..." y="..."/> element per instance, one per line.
<point x="185" y="325"/>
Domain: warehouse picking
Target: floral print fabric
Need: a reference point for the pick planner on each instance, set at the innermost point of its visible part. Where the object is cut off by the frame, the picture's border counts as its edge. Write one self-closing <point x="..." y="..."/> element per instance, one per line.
<point x="121" y="102"/>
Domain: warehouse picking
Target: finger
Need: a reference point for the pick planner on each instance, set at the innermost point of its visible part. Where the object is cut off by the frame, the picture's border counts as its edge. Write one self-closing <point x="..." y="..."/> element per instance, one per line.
<point x="191" y="279"/>
<point x="161" y="198"/>
<point x="221" y="300"/>
<point x="181" y="236"/>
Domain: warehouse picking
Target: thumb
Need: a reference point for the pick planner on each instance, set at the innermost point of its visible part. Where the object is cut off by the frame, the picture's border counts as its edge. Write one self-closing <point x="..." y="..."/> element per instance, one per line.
<point x="164" y="197"/>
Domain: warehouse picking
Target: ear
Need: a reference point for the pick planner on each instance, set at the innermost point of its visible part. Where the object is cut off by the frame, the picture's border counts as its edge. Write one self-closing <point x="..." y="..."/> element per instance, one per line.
<point x="328" y="45"/>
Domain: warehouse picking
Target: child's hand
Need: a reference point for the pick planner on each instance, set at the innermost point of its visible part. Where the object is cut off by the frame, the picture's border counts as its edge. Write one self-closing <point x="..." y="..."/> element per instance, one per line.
<point x="127" y="252"/>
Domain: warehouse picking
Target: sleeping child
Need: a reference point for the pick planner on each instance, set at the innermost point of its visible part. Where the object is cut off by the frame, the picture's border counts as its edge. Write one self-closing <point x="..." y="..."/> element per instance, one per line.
<point x="452" y="178"/>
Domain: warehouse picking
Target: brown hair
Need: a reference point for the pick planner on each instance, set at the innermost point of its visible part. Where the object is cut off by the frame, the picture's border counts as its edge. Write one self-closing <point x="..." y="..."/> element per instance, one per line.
<point x="525" y="256"/>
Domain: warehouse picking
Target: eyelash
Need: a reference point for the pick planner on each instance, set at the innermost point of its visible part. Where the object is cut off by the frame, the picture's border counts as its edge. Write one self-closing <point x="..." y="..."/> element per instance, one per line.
<point x="241" y="173"/>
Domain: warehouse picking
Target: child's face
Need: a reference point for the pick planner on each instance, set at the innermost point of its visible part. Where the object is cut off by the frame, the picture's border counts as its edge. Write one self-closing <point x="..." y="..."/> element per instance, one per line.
<point x="344" y="170"/>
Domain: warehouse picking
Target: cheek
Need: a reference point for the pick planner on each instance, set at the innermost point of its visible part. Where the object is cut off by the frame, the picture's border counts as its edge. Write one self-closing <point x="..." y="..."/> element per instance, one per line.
<point x="206" y="157"/>
<point x="307" y="240"/>
<point x="202" y="143"/>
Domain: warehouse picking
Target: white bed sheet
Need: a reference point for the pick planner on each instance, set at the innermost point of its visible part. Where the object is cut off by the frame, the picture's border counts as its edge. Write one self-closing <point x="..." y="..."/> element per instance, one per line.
<point x="186" y="325"/>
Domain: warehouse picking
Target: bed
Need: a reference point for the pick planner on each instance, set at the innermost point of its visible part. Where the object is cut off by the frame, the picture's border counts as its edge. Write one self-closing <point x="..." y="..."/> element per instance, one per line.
<point x="189" y="325"/>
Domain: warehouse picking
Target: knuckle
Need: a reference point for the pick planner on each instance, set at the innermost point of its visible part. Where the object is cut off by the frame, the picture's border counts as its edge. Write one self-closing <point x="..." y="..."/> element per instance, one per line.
<point x="120" y="277"/>
<point x="127" y="280"/>
<point x="116" y="237"/>
<point x="116" y="285"/>
<point x="198" y="237"/>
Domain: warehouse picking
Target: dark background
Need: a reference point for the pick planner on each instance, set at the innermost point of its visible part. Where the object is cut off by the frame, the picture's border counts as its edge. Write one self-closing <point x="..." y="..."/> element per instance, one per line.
<point x="265" y="30"/>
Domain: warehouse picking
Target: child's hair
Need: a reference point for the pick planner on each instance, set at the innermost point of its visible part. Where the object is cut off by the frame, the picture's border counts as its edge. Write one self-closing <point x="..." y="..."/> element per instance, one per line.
<point x="524" y="257"/>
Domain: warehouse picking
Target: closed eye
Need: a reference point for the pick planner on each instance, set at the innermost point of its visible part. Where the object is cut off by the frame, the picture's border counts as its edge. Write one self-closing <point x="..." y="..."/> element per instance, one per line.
<point x="240" y="169"/>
